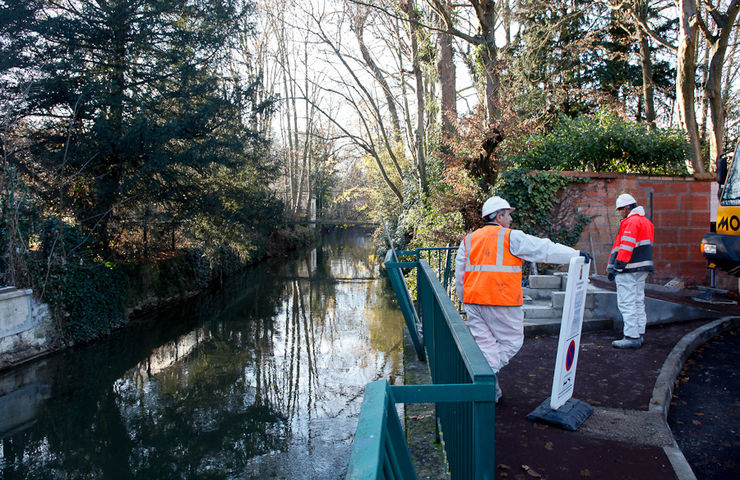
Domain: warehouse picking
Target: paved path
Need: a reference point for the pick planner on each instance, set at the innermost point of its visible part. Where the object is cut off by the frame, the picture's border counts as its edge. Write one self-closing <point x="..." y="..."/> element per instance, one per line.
<point x="627" y="436"/>
<point x="621" y="440"/>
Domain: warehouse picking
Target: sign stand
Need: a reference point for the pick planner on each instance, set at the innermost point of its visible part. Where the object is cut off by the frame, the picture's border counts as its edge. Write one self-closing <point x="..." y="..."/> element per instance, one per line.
<point x="560" y="409"/>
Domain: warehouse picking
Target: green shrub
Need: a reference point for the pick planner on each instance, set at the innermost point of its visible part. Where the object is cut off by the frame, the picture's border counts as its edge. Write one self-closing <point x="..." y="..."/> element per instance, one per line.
<point x="603" y="143"/>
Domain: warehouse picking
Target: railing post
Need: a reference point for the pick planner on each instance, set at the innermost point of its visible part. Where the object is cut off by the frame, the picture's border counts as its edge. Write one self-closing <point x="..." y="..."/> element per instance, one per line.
<point x="484" y="439"/>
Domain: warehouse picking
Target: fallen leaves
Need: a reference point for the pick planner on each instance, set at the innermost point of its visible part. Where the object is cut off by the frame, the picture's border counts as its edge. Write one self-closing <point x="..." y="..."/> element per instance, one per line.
<point x="531" y="472"/>
<point x="548" y="446"/>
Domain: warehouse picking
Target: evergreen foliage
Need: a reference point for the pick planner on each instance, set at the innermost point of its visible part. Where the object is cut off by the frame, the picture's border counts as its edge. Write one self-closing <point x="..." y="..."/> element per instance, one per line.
<point x="129" y="132"/>
<point x="140" y="123"/>
<point x="603" y="143"/>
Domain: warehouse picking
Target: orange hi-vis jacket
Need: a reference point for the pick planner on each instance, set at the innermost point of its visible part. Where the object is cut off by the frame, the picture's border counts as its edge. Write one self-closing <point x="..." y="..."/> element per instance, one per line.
<point x="493" y="276"/>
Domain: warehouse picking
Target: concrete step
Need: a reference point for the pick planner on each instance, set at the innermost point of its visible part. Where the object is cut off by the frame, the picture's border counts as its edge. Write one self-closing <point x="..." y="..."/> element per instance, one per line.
<point x="538" y="309"/>
<point x="546" y="282"/>
<point x="558" y="298"/>
<point x="537" y="293"/>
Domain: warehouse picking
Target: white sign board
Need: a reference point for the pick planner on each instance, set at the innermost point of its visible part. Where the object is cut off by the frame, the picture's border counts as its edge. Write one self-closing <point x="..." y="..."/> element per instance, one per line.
<point x="570" y="332"/>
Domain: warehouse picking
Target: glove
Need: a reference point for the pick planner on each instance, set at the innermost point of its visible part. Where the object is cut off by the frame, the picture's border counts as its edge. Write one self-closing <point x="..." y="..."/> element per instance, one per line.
<point x="610" y="276"/>
<point x="588" y="256"/>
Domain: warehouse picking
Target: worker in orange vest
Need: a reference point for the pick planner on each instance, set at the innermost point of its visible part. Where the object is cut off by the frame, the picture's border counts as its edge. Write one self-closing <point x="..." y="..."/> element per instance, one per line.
<point x="630" y="263"/>
<point x="488" y="279"/>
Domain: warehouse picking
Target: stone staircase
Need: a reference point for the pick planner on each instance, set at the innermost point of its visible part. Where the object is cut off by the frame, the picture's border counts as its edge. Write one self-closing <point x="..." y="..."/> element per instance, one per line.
<point x="543" y="307"/>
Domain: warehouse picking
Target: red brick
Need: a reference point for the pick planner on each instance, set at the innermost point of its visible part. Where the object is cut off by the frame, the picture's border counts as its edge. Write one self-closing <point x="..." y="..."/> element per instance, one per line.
<point x="695" y="266"/>
<point x="691" y="235"/>
<point x="676" y="253"/>
<point x="657" y="187"/>
<point x="665" y="235"/>
<point x="700" y="187"/>
<point x="665" y="202"/>
<point x="670" y="219"/>
<point x="694" y="202"/>
<point x="699" y="218"/>
<point x="627" y="183"/>
<point x="678" y="187"/>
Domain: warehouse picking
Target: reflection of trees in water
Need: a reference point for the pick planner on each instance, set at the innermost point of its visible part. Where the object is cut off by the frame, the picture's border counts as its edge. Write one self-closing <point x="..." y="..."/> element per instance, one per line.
<point x="249" y="369"/>
<point x="178" y="406"/>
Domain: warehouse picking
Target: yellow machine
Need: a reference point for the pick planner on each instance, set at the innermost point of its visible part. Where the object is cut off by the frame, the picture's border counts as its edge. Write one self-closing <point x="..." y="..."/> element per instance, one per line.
<point x="721" y="246"/>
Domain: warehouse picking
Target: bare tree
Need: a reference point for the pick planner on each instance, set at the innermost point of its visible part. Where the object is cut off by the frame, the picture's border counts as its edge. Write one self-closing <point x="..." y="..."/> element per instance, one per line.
<point x="447" y="81"/>
<point x="485" y="38"/>
<point x="359" y="15"/>
<point x="718" y="42"/>
<point x="410" y="8"/>
<point x="690" y="24"/>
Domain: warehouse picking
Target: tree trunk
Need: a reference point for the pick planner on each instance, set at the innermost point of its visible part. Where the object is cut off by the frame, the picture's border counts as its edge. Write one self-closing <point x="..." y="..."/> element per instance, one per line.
<point x="490" y="59"/>
<point x="704" y="101"/>
<point x="718" y="46"/>
<point x="419" y="76"/>
<point x="685" y="83"/>
<point x="447" y="86"/>
<point x="648" y="86"/>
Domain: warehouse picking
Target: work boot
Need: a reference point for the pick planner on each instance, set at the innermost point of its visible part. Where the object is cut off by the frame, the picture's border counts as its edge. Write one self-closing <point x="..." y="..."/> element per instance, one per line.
<point x="627" y="342"/>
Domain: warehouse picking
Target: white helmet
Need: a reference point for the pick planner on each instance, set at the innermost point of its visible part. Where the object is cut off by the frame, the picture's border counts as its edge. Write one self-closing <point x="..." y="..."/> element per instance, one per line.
<point x="494" y="204"/>
<point x="625" y="199"/>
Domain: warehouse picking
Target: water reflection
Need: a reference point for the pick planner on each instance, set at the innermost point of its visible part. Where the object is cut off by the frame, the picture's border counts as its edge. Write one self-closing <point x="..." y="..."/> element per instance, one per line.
<point x="263" y="378"/>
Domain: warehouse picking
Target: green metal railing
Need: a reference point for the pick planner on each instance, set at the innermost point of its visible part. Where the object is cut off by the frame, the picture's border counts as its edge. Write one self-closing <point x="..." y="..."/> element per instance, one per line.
<point x="463" y="384"/>
<point x="379" y="448"/>
<point x="442" y="261"/>
<point x="467" y="427"/>
<point x="405" y="302"/>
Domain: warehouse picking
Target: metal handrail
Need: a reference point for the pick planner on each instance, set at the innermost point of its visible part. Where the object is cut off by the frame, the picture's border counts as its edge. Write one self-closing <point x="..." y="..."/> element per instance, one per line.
<point x="463" y="384"/>
<point x="379" y="449"/>
<point x="468" y="428"/>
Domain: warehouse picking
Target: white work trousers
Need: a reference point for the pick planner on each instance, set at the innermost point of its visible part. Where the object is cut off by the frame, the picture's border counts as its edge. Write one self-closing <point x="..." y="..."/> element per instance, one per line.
<point x="498" y="331"/>
<point x="631" y="302"/>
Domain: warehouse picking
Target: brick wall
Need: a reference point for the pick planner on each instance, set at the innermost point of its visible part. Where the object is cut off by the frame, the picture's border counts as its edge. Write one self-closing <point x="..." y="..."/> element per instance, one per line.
<point x="680" y="207"/>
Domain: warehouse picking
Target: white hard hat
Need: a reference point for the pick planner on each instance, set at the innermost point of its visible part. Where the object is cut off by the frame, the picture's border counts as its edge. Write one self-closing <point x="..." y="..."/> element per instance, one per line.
<point x="494" y="204"/>
<point x="625" y="199"/>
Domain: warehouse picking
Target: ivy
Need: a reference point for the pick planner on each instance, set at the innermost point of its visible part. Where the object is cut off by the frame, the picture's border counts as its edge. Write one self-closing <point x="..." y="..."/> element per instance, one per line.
<point x="85" y="293"/>
<point x="541" y="208"/>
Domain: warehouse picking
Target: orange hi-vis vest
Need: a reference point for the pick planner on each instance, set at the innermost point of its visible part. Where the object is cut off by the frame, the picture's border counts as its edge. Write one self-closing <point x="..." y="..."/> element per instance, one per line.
<point x="493" y="276"/>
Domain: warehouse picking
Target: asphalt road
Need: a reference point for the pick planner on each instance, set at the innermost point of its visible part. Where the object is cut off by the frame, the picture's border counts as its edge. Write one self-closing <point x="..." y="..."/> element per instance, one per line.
<point x="705" y="411"/>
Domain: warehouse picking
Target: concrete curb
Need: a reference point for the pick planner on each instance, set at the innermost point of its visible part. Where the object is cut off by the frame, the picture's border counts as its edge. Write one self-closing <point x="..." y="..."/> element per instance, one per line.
<point x="662" y="392"/>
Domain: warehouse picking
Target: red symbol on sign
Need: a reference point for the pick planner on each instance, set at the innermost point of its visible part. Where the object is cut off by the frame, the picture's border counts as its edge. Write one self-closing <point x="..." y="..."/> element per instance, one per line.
<point x="570" y="355"/>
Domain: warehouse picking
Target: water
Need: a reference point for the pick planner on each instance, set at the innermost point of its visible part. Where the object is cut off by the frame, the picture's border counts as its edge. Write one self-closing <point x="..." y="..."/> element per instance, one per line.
<point x="262" y="378"/>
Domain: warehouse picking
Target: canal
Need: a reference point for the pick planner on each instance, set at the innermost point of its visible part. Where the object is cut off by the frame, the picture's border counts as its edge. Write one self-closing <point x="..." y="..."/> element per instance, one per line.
<point x="260" y="378"/>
